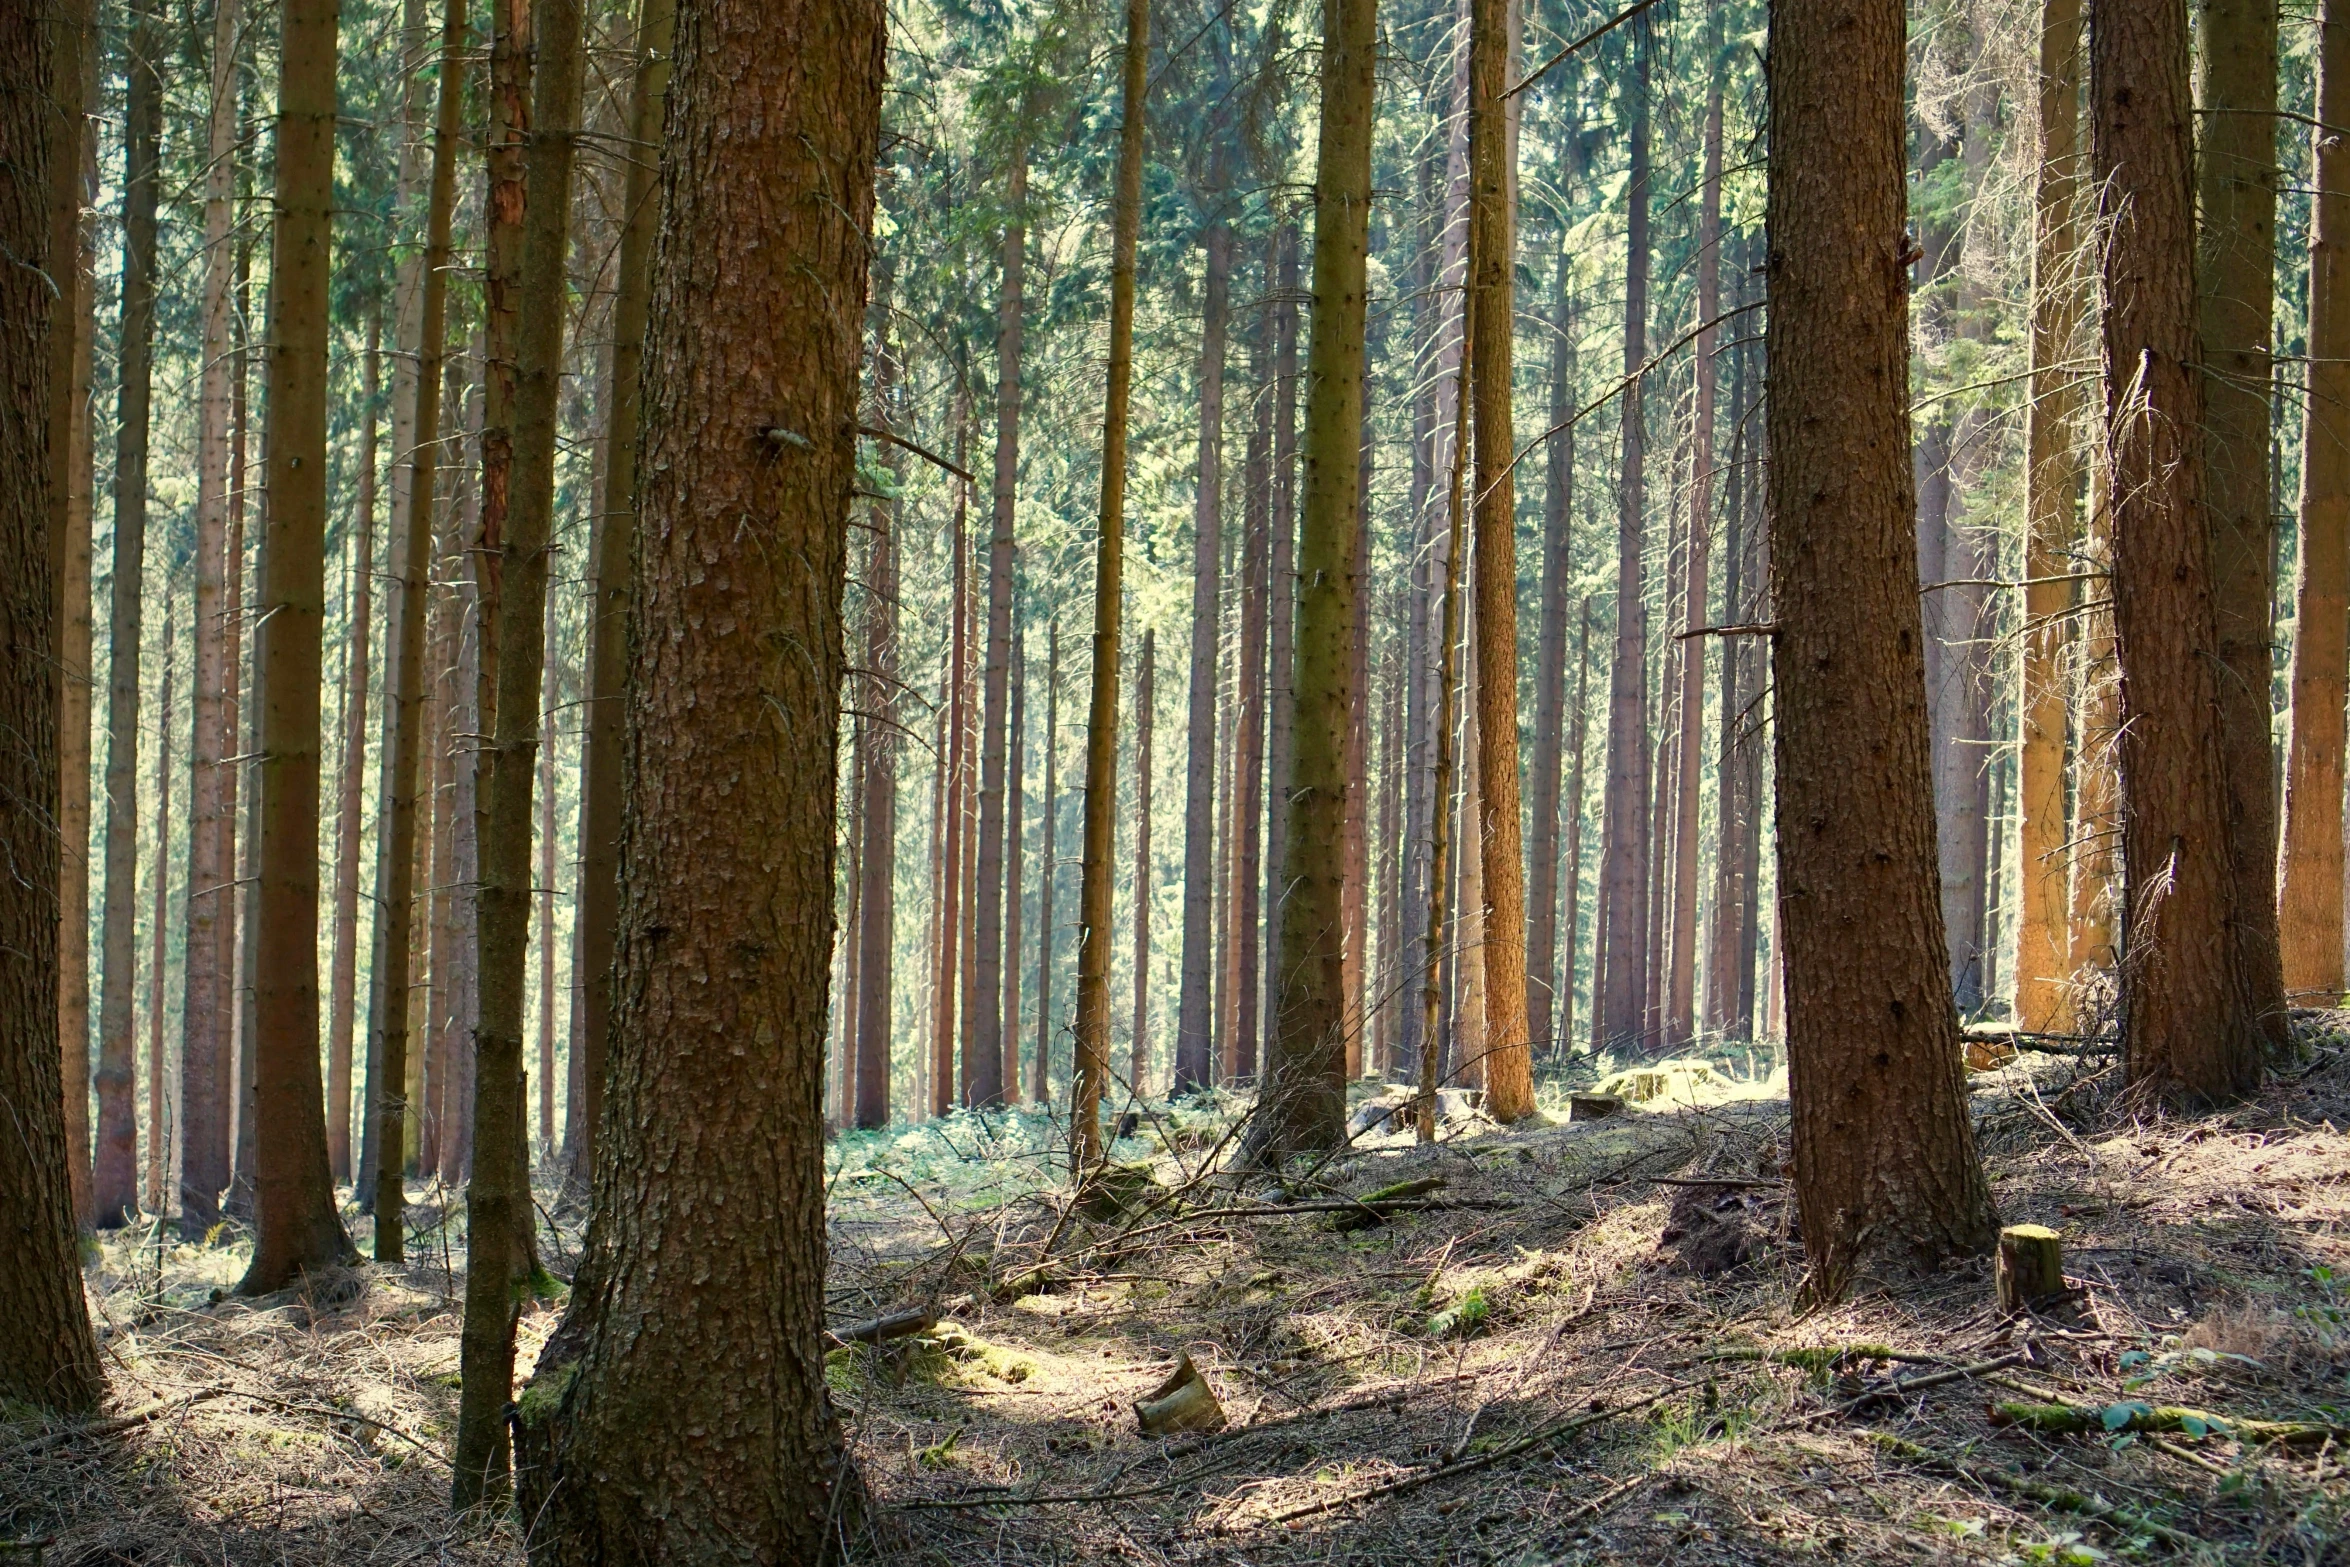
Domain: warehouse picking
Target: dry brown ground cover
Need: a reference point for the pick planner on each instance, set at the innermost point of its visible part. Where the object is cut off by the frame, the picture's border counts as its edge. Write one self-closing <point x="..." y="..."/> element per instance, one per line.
<point x="1573" y="1349"/>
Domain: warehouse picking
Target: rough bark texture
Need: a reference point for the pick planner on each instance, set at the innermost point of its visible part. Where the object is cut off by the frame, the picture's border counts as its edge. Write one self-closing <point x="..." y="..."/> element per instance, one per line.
<point x="1280" y="633"/>
<point x="2052" y="481"/>
<point x="707" y="1245"/>
<point x="1146" y="691"/>
<point x="73" y="344"/>
<point x="297" y="1227"/>
<point x="152" y="1192"/>
<point x="1307" y="1096"/>
<point x="1246" y="927"/>
<point x="343" y="1007"/>
<point x="1048" y="871"/>
<point x="407" y="765"/>
<point x="2189" y="1033"/>
<point x="512" y="571"/>
<point x="1509" y="1070"/>
<point x="48" y="1356"/>
<point x="2235" y="271"/>
<point x="2310" y="863"/>
<point x="952" y="911"/>
<point x="612" y="567"/>
<point x="1195" y="1033"/>
<point x="986" y="1047"/>
<point x="114" y="1189"/>
<point x="1550" y="683"/>
<point x="204" y="1054"/>
<point x="1008" y="1033"/>
<point x="877" y="909"/>
<point x="1101" y="741"/>
<point x="1617" y="983"/>
<point x="1885" y="1162"/>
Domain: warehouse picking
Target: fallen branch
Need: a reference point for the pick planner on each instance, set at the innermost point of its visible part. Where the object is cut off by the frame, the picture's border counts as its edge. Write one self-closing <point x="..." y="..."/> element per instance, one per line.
<point x="2168" y="1419"/>
<point x="115" y="1424"/>
<point x="1525" y="1444"/>
<point x="1899" y="1388"/>
<point x="881" y="1329"/>
<point x="2057" y="1496"/>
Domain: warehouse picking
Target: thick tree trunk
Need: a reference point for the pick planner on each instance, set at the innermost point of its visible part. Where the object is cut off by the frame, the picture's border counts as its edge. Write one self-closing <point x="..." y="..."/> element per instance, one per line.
<point x="2052" y="481"/>
<point x="1048" y="871"/>
<point x="1146" y="690"/>
<point x="2235" y="272"/>
<point x="985" y="1051"/>
<point x="1508" y="1071"/>
<point x="1281" y="637"/>
<point x="73" y="345"/>
<point x="407" y="763"/>
<point x="2310" y="895"/>
<point x="1550" y="680"/>
<point x="205" y="1095"/>
<point x="2189" y="1033"/>
<point x="1195" y="1032"/>
<point x="114" y="1193"/>
<point x="297" y="1228"/>
<point x="707" y="1246"/>
<point x="1617" y="1000"/>
<point x="1681" y="1003"/>
<point x="1307" y="1097"/>
<point x="612" y="568"/>
<point x="1885" y="1163"/>
<point x="342" y="1012"/>
<point x="48" y="1356"/>
<point x="1101" y="740"/>
<point x="512" y="570"/>
<point x="877" y="910"/>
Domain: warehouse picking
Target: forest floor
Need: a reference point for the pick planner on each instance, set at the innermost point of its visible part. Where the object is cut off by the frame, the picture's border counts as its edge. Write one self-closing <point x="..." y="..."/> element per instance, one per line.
<point x="1581" y="1346"/>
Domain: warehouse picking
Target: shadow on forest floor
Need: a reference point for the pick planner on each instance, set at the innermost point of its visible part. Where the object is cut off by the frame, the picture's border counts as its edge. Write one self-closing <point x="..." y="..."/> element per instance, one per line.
<point x="1390" y="1390"/>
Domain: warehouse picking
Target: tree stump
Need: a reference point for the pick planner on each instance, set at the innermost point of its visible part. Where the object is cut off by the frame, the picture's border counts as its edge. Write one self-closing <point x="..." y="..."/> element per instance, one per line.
<point x="2030" y="1265"/>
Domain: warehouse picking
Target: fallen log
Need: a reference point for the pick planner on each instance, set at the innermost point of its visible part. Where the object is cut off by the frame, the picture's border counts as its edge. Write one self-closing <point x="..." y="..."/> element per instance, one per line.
<point x="2130" y="1415"/>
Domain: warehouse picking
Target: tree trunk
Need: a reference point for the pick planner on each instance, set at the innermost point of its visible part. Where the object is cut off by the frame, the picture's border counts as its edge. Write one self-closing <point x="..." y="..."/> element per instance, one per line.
<point x="48" y="1355"/>
<point x="1245" y="930"/>
<point x="951" y="912"/>
<point x="1008" y="1031"/>
<point x="1445" y="580"/>
<point x="612" y="569"/>
<point x="115" y="1173"/>
<point x="985" y="1051"/>
<point x="341" y="1014"/>
<point x="297" y="1227"/>
<point x="1681" y="1004"/>
<point x="236" y="940"/>
<point x="73" y="341"/>
<point x="542" y="893"/>
<point x="2310" y="899"/>
<point x="2052" y="481"/>
<point x="205" y="1094"/>
<point x="158" y="1201"/>
<point x="1145" y="708"/>
<point x="1281" y="635"/>
<point x="1574" y="872"/>
<point x="2189" y="1034"/>
<point x="512" y="571"/>
<point x="1885" y="1163"/>
<point x="1195" y="1033"/>
<point x="1550" y="679"/>
<point x="877" y="901"/>
<point x="1307" y="1099"/>
<point x="709" y="1218"/>
<point x="1617" y="996"/>
<point x="2235" y="273"/>
<point x="1049" y="871"/>
<point x="1355" y="890"/>
<point x="407" y="764"/>
<point x="1101" y="740"/>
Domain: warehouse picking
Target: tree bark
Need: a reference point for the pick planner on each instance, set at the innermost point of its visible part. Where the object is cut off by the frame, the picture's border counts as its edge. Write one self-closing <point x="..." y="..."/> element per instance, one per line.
<point x="1280" y="633"/>
<point x="987" y="1036"/>
<point x="952" y="913"/>
<point x="297" y="1227"/>
<point x="73" y="344"/>
<point x="707" y="1244"/>
<point x="2189" y="1033"/>
<point x="1885" y="1164"/>
<point x="48" y="1355"/>
<point x="1008" y="1030"/>
<point x="2052" y="481"/>
<point x="1307" y="1097"/>
<point x="1101" y="741"/>
<point x="612" y="569"/>
<point x="341" y="1013"/>
<point x="1246" y="928"/>
<point x="1681" y="1003"/>
<point x="1195" y="1032"/>
<point x="156" y="1198"/>
<point x="1573" y="923"/>
<point x="205" y="1094"/>
<point x="877" y="900"/>
<point x="2310" y="865"/>
<point x="1617" y="1001"/>
<point x="2235" y="272"/>
<point x="1146" y="690"/>
<point x="114" y="1194"/>
<point x="1049" y="871"/>
<point x="1550" y="679"/>
<point x="512" y="570"/>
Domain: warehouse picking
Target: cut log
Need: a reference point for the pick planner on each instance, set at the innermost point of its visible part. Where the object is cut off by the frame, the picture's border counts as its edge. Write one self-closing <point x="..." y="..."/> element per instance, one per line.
<point x="1593" y="1107"/>
<point x="880" y="1330"/>
<point x="1184" y="1402"/>
<point x="2030" y="1266"/>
